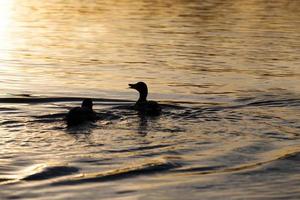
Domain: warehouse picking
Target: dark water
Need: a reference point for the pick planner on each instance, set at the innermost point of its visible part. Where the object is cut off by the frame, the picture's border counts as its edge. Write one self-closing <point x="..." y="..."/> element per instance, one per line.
<point x="226" y="73"/>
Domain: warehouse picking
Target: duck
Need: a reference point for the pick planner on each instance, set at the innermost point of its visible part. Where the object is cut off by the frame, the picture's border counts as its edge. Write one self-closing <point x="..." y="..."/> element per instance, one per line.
<point x="82" y="114"/>
<point x="143" y="106"/>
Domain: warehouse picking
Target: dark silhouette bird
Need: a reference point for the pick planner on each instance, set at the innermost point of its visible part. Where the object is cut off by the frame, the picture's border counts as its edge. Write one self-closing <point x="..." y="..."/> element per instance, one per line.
<point x="80" y="115"/>
<point x="142" y="105"/>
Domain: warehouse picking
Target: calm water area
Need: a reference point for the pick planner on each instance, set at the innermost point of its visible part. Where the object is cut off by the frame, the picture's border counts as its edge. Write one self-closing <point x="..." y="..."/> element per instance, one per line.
<point x="226" y="72"/>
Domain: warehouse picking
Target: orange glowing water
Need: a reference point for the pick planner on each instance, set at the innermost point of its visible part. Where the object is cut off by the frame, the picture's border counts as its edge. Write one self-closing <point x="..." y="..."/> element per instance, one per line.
<point x="226" y="72"/>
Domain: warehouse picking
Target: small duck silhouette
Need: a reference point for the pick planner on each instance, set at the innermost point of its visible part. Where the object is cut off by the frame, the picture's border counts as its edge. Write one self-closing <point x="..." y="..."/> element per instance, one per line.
<point x="79" y="115"/>
<point x="142" y="105"/>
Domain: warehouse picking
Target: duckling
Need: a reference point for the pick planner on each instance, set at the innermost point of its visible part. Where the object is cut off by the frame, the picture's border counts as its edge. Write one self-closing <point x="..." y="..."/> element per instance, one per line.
<point x="142" y="105"/>
<point x="79" y="115"/>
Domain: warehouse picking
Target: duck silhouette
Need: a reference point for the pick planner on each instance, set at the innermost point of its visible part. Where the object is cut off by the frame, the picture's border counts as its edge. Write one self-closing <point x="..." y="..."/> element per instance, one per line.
<point x="142" y="105"/>
<point x="80" y="115"/>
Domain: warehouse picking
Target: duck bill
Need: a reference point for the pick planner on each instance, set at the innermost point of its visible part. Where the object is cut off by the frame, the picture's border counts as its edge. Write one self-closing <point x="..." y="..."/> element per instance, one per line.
<point x="131" y="86"/>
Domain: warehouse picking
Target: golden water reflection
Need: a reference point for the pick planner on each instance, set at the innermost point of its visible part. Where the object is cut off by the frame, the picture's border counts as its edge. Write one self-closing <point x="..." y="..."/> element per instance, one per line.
<point x="180" y="48"/>
<point x="5" y="26"/>
<point x="204" y="54"/>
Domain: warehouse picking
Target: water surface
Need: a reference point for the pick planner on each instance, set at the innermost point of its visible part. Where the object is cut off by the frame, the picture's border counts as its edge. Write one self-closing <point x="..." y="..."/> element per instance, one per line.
<point x="226" y="72"/>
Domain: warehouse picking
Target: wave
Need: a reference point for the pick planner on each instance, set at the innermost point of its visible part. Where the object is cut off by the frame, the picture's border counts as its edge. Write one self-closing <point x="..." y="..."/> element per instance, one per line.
<point x="39" y="172"/>
<point x="150" y="167"/>
<point x="276" y="155"/>
<point x="70" y="175"/>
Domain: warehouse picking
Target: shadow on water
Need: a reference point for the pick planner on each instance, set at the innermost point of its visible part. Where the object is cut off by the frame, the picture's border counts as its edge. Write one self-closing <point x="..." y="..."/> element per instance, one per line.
<point x="82" y="129"/>
<point x="143" y="125"/>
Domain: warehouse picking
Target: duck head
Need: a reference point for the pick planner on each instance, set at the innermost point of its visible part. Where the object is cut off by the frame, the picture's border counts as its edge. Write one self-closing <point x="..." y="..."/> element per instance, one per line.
<point x="87" y="103"/>
<point x="142" y="88"/>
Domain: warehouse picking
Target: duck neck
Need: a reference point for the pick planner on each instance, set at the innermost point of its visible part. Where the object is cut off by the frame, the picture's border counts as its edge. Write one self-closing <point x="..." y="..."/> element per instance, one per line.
<point x="143" y="96"/>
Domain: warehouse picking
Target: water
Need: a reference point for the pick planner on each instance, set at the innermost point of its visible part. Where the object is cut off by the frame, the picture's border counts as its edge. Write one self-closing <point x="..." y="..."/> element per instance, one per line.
<point x="226" y="72"/>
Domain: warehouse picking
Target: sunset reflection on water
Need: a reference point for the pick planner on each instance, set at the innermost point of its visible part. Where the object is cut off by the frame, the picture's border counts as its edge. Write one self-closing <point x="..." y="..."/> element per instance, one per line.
<point x="226" y="74"/>
<point x="103" y="45"/>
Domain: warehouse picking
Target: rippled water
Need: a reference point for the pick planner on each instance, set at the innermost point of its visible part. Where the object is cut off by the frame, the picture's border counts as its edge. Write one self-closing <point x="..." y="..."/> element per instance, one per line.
<point x="226" y="73"/>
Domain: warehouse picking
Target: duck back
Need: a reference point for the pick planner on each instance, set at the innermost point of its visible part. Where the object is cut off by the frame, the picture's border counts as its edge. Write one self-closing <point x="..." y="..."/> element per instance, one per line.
<point x="79" y="115"/>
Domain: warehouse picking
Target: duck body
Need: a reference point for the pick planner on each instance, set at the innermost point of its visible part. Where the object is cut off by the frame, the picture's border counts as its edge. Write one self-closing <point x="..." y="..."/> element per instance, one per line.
<point x="143" y="106"/>
<point x="80" y="115"/>
<point x="148" y="107"/>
